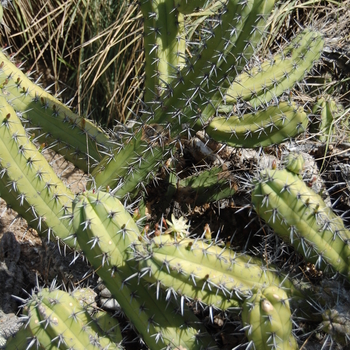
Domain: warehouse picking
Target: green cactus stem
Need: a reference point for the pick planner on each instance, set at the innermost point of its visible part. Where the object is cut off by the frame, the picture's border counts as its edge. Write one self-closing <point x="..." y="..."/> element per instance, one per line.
<point x="192" y="87"/>
<point x="56" y="320"/>
<point x="127" y="170"/>
<point x="209" y="274"/>
<point x="262" y="128"/>
<point x="188" y="6"/>
<point x="279" y="74"/>
<point x="203" y="187"/>
<point x="294" y="162"/>
<point x="165" y="45"/>
<point x="28" y="183"/>
<point x="267" y="320"/>
<point x="300" y="216"/>
<point x="336" y="322"/>
<point x="109" y="237"/>
<point x="327" y="112"/>
<point x="75" y="137"/>
<point x="212" y="66"/>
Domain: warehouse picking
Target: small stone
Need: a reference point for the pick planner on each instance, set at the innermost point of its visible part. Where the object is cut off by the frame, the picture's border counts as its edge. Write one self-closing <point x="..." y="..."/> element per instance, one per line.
<point x="110" y="304"/>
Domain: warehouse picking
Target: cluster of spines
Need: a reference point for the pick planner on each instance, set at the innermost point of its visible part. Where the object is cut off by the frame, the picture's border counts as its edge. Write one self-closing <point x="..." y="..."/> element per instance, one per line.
<point x="299" y="216"/>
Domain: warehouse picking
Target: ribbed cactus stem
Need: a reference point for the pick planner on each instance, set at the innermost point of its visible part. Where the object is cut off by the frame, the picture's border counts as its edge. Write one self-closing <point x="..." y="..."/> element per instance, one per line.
<point x="212" y="65"/>
<point x="336" y="323"/>
<point x="300" y="216"/>
<point x="265" y="127"/>
<point x="77" y="138"/>
<point x="109" y="237"/>
<point x="28" y="183"/>
<point x="279" y="74"/>
<point x="209" y="274"/>
<point x="56" y="320"/>
<point x="267" y="320"/>
<point x="194" y="95"/>
<point x="328" y="112"/>
<point x="165" y="45"/>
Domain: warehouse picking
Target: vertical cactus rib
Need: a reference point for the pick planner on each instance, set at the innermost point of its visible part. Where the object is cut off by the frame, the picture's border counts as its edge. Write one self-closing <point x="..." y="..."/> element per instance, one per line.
<point x="108" y="236"/>
<point x="165" y="45"/>
<point x="28" y="183"/>
<point x="327" y="112"/>
<point x="77" y="138"/>
<point x="267" y="320"/>
<point x="300" y="216"/>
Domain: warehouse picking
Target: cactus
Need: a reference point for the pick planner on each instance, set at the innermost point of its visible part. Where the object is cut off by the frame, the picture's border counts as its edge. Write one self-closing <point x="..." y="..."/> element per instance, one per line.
<point x="208" y="274"/>
<point x="193" y="81"/>
<point x="205" y="186"/>
<point x="107" y="234"/>
<point x="294" y="163"/>
<point x="77" y="138"/>
<point x="336" y="322"/>
<point x="262" y="128"/>
<point x="57" y="320"/>
<point x="27" y="181"/>
<point x="182" y="105"/>
<point x="300" y="216"/>
<point x="192" y="86"/>
<point x="267" y="320"/>
<point x="328" y="112"/>
<point x="271" y="78"/>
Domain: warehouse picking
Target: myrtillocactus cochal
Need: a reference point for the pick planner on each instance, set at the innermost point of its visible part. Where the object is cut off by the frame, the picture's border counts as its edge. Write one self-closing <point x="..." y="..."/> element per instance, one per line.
<point x="197" y="77"/>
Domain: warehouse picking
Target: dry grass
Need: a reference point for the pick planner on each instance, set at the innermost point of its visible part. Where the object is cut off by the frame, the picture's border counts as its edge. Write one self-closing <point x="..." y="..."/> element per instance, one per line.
<point x="91" y="48"/>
